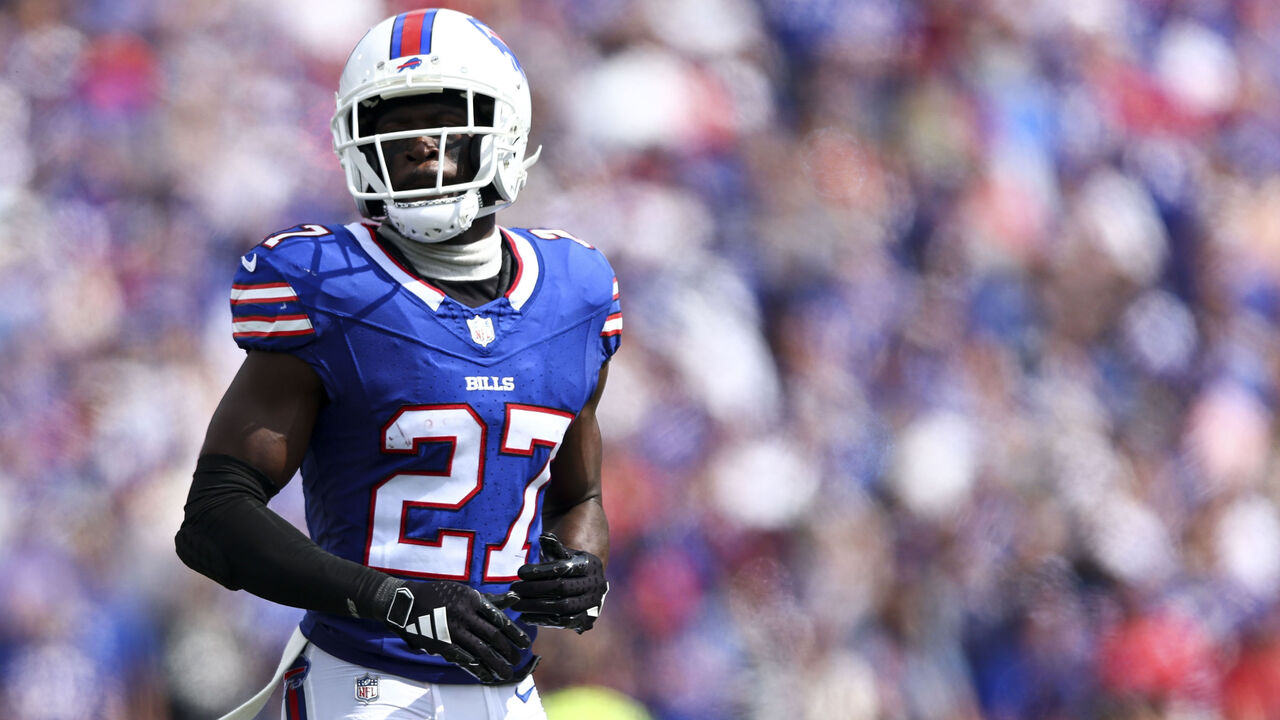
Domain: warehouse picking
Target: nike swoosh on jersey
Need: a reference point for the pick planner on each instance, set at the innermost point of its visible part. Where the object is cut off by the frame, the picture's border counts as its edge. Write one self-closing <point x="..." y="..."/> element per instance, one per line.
<point x="524" y="696"/>
<point x="250" y="262"/>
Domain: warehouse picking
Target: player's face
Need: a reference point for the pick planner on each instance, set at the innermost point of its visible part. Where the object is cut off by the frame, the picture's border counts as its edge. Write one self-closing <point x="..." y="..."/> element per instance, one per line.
<point x="414" y="162"/>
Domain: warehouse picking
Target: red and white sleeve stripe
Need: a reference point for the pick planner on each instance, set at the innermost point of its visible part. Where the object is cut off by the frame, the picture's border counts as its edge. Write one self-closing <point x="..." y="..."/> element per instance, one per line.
<point x="612" y="325"/>
<point x="271" y="326"/>
<point x="265" y="293"/>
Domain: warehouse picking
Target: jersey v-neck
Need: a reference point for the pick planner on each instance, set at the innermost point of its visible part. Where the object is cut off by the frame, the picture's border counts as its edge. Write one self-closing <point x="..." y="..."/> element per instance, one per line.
<point x="471" y="293"/>
<point x="517" y="279"/>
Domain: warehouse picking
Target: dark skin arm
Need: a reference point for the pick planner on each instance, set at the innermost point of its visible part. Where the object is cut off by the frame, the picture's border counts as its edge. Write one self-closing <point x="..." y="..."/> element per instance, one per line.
<point x="573" y="509"/>
<point x="256" y="440"/>
<point x="266" y="416"/>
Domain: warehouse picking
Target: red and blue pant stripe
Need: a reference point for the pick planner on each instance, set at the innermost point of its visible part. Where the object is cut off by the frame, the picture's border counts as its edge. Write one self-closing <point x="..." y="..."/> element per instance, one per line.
<point x="295" y="700"/>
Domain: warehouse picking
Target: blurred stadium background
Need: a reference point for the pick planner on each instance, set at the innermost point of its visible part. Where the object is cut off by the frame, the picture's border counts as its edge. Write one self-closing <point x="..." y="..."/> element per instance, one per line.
<point x="949" y="382"/>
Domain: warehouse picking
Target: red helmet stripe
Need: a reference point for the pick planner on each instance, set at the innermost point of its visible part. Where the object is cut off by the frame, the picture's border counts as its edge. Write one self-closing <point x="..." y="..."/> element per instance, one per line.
<point x="411" y="43"/>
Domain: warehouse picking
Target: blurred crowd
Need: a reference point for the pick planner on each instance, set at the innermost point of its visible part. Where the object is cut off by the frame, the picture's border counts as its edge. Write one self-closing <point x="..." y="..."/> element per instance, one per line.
<point x="949" y="382"/>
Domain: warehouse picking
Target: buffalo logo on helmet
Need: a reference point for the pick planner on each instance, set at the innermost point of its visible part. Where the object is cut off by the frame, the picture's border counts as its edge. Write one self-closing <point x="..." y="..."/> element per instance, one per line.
<point x="409" y="64"/>
<point x="498" y="43"/>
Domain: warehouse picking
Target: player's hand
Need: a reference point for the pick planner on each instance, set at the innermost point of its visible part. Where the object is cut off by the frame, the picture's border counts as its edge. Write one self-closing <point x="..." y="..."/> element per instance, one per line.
<point x="459" y="624"/>
<point x="566" y="589"/>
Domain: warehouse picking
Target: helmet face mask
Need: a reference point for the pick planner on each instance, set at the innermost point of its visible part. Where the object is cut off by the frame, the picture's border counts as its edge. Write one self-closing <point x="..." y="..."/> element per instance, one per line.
<point x="463" y="140"/>
<point x="449" y="55"/>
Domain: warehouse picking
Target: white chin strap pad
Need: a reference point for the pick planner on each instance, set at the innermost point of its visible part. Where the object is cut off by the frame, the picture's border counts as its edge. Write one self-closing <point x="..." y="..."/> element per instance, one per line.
<point x="436" y="219"/>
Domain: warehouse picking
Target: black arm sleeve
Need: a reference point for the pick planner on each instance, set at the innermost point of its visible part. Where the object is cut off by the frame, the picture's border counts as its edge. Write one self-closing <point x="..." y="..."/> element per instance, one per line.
<point x="229" y="535"/>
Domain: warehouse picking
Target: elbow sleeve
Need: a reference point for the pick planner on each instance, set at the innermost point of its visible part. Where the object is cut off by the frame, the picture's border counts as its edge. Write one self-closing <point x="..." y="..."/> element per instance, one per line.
<point x="222" y="488"/>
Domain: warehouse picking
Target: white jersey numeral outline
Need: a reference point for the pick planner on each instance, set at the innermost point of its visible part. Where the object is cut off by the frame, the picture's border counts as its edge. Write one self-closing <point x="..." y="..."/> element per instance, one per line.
<point x="526" y="427"/>
<point x="304" y="231"/>
<point x="558" y="234"/>
<point x="448" y="556"/>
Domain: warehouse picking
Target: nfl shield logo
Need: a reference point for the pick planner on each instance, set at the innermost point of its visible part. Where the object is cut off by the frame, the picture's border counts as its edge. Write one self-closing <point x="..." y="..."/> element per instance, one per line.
<point x="367" y="688"/>
<point x="481" y="330"/>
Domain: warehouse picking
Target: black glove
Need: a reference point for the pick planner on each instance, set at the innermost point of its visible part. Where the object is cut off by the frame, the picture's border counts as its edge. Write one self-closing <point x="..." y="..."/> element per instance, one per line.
<point x="456" y="622"/>
<point x="566" y="589"/>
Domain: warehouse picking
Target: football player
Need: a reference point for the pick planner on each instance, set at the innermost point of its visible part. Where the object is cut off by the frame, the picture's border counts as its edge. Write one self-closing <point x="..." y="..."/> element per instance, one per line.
<point x="435" y="377"/>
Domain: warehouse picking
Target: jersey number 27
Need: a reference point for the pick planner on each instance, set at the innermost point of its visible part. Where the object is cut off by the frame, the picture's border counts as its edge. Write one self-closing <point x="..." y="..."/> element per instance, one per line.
<point x="449" y="556"/>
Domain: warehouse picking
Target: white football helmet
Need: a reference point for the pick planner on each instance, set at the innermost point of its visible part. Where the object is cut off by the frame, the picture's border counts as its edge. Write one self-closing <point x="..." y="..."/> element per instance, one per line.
<point x="423" y="52"/>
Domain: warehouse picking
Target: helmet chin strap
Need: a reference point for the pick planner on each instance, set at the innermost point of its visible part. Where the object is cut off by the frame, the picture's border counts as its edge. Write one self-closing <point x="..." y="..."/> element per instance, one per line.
<point x="435" y="219"/>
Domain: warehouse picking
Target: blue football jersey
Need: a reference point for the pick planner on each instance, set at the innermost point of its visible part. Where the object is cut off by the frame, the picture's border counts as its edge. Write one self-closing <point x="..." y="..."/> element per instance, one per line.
<point x="430" y="458"/>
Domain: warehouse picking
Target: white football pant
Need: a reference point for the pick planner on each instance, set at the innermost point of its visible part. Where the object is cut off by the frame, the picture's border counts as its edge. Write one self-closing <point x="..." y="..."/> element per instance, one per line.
<point x="319" y="686"/>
